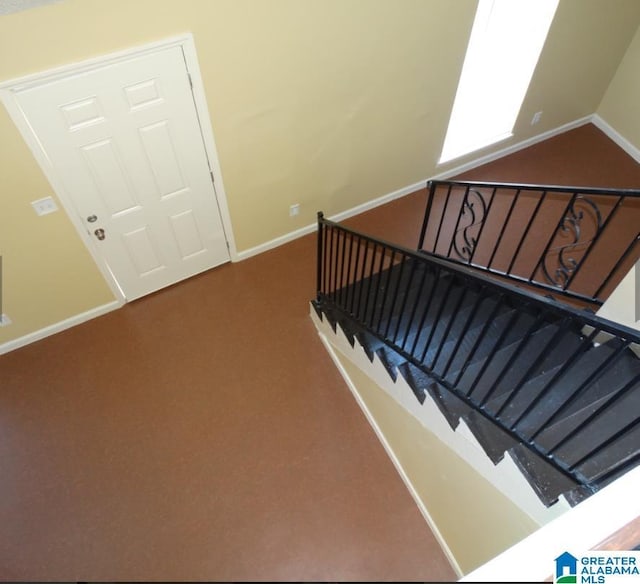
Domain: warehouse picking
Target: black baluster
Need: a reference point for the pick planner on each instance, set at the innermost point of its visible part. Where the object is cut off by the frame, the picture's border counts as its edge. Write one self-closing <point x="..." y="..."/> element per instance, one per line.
<point x="503" y="229"/>
<point x="431" y="194"/>
<point x="601" y="409"/>
<point x="320" y="258"/>
<point x="362" y="280"/>
<point x="443" y="303"/>
<point x="416" y="303"/>
<point x="553" y="235"/>
<point x="465" y="200"/>
<point x="432" y="292"/>
<point x="512" y="359"/>
<point x="402" y="262"/>
<point x="600" y="231"/>
<point x="526" y="231"/>
<point x="480" y="339"/>
<point x="356" y="280"/>
<point x="474" y="310"/>
<point x="403" y="307"/>
<point x="452" y="318"/>
<point x="605" y="366"/>
<point x="442" y="218"/>
<point x="584" y="346"/>
<point x="378" y="284"/>
<point x="385" y="293"/>
<point x="623" y="257"/>
<point x="484" y="222"/>
<point x="537" y="362"/>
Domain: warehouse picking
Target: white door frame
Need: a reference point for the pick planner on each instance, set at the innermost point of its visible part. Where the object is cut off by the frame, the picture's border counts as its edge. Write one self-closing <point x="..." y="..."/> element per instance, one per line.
<point x="8" y="90"/>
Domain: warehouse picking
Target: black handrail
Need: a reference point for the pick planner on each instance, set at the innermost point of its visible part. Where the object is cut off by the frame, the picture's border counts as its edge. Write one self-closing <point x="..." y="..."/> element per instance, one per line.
<point x="575" y="224"/>
<point x="470" y="275"/>
<point x="411" y="302"/>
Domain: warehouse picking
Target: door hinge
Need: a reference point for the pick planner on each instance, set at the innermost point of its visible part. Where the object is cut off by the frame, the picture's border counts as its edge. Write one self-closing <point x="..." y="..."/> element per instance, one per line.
<point x="211" y="175"/>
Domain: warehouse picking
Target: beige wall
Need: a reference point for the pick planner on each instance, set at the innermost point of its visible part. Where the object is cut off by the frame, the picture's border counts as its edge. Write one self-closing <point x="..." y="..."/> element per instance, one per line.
<point x="621" y="304"/>
<point x="476" y="521"/>
<point x="586" y="41"/>
<point x="47" y="273"/>
<point x="620" y="106"/>
<point x="326" y="103"/>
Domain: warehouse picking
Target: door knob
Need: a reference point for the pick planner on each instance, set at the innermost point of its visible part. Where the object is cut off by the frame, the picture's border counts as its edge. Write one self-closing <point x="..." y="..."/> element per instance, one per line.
<point x="99" y="233"/>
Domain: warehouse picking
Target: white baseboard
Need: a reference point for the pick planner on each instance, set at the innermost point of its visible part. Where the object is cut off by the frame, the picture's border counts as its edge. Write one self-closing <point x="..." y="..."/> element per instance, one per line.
<point x="273" y="243"/>
<point x="511" y="149"/>
<point x="379" y="201"/>
<point x="59" y="327"/>
<point x="618" y="138"/>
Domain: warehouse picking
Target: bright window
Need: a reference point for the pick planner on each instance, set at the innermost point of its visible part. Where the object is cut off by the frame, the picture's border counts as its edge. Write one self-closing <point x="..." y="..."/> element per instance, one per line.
<point x="505" y="44"/>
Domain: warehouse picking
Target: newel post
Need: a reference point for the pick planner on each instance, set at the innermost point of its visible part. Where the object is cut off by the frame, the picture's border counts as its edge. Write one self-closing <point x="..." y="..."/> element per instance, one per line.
<point x="320" y="257"/>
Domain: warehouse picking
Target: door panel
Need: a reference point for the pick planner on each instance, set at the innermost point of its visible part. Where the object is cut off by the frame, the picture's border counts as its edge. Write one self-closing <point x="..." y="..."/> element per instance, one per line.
<point x="186" y="233"/>
<point x="125" y="141"/>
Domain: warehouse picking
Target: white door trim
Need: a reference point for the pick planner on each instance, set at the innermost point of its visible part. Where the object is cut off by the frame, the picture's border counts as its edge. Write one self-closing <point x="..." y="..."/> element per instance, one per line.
<point x="8" y="90"/>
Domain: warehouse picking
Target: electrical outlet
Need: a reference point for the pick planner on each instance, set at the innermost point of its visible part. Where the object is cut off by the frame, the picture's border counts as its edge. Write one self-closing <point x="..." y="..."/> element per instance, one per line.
<point x="4" y="320"/>
<point x="536" y="118"/>
<point x="44" y="206"/>
<point x="294" y="210"/>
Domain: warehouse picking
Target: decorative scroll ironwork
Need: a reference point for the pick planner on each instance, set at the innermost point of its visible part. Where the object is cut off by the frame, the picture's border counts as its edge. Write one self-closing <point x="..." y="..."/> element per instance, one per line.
<point x="570" y="224"/>
<point x="457" y="217"/>
<point x="464" y="242"/>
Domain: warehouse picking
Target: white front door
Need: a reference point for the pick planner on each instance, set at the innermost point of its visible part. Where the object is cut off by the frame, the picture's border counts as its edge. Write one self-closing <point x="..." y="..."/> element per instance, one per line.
<point x="124" y="140"/>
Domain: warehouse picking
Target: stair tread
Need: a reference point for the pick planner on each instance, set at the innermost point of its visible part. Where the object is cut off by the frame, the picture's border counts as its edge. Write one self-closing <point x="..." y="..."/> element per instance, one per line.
<point x="452" y="407"/>
<point x="348" y="328"/>
<point x="577" y="494"/>
<point x="487" y="308"/>
<point x="374" y="305"/>
<point x="391" y="360"/>
<point x="610" y="459"/>
<point x="490" y="335"/>
<point x="468" y="321"/>
<point x="489" y="382"/>
<point x="331" y="315"/>
<point x="408" y="331"/>
<point x="417" y="380"/>
<point x="391" y="281"/>
<point x="415" y="338"/>
<point x="622" y="411"/>
<point x="511" y="388"/>
<point x="494" y="440"/>
<point x="370" y="343"/>
<point x="548" y="482"/>
<point x="318" y="308"/>
<point x="565" y="381"/>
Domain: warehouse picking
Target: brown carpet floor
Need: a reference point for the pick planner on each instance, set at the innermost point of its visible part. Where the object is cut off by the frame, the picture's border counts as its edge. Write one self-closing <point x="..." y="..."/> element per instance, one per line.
<point x="202" y="433"/>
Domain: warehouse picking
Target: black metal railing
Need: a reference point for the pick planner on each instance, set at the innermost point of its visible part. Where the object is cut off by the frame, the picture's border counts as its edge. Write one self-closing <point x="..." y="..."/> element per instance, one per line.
<point x="573" y="241"/>
<point x="413" y="303"/>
